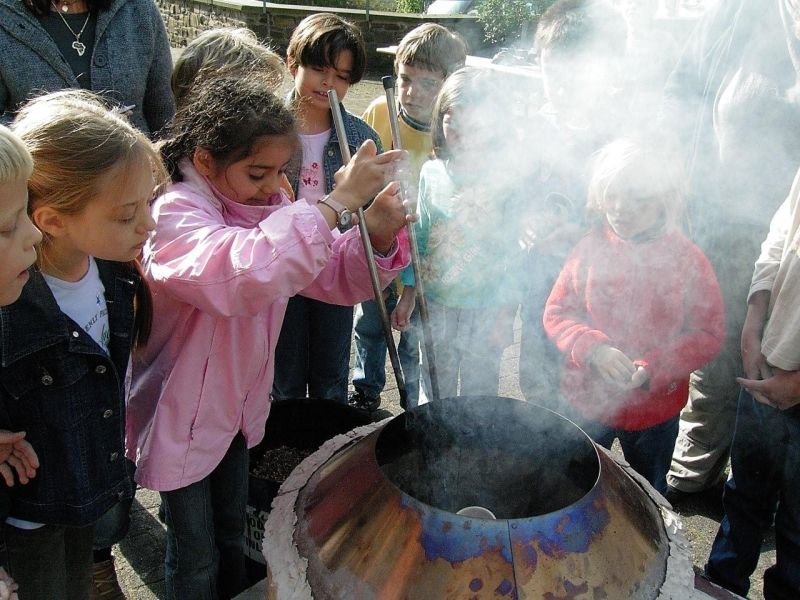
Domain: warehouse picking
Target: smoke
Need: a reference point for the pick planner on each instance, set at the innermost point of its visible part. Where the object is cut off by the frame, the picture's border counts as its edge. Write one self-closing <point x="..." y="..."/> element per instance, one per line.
<point x="720" y="102"/>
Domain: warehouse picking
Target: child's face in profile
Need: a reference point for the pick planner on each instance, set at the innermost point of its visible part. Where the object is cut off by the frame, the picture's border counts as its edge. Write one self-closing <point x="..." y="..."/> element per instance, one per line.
<point x="312" y="82"/>
<point x="417" y="88"/>
<point x="17" y="239"/>
<point x="117" y="222"/>
<point x="632" y="212"/>
<point x="254" y="179"/>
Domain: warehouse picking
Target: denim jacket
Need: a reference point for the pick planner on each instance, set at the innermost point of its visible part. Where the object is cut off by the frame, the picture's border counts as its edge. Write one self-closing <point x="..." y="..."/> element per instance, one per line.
<point x="60" y="387"/>
<point x="357" y="132"/>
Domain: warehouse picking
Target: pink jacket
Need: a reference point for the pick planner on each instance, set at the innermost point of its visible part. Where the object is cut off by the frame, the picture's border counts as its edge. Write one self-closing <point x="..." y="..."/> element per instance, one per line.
<point x="221" y="274"/>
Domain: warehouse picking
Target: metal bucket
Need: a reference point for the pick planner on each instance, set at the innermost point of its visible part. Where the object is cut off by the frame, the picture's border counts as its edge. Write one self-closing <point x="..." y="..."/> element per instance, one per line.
<point x="376" y="515"/>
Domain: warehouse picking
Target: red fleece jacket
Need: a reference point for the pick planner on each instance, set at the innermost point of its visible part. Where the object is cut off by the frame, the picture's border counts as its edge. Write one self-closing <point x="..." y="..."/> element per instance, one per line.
<point x="657" y="301"/>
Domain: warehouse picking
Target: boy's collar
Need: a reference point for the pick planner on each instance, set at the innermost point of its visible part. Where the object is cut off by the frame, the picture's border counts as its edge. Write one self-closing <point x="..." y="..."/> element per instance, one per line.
<point x="418" y="125"/>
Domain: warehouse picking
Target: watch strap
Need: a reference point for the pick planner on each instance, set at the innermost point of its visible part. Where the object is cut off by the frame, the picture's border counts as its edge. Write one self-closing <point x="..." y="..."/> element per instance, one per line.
<point x="337" y="207"/>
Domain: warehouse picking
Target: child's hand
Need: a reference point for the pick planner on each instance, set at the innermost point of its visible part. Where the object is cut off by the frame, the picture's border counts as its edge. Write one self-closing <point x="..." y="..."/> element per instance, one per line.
<point x="612" y="365"/>
<point x="18" y="454"/>
<point x="401" y="315"/>
<point x="385" y="217"/>
<point x="364" y="176"/>
<point x="639" y="378"/>
<point x="8" y="588"/>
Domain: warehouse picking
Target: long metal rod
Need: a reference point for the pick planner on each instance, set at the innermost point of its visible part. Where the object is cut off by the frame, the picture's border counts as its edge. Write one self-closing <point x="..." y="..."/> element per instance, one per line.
<point x="427" y="334"/>
<point x="344" y="147"/>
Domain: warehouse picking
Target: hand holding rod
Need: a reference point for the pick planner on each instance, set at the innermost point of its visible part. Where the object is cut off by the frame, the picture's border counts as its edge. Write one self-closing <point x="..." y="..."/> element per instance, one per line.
<point x="344" y="148"/>
<point x="427" y="335"/>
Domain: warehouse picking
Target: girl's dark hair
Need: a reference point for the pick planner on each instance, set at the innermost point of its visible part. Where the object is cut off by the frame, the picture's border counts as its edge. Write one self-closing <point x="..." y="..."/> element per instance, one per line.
<point x="318" y="40"/>
<point x="225" y="116"/>
<point x="42" y="7"/>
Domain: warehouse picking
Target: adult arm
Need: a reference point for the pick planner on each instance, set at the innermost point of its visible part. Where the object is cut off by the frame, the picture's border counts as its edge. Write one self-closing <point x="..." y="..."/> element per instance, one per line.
<point x="159" y="102"/>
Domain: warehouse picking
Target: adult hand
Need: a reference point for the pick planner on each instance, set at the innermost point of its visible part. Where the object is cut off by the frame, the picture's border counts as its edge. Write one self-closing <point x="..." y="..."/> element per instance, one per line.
<point x="385" y="217"/>
<point x="755" y="365"/>
<point x="781" y="390"/>
<point x="17" y="454"/>
<point x="360" y="179"/>
<point x="612" y="365"/>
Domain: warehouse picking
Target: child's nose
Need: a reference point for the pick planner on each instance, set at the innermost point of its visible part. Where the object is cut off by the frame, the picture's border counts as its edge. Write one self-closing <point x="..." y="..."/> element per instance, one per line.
<point x="34" y="236"/>
<point x="148" y="223"/>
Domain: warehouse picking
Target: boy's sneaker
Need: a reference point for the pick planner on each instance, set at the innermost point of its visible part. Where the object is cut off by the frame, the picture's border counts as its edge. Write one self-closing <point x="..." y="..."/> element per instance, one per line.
<point x="359" y="400"/>
<point x="105" y="585"/>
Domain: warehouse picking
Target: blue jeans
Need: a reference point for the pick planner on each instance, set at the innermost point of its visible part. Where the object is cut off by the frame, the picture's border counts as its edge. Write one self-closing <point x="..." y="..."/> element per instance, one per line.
<point x="312" y="358"/>
<point x="369" y="373"/>
<point x="205" y="529"/>
<point x="647" y="451"/>
<point x="764" y="484"/>
<point x="51" y="562"/>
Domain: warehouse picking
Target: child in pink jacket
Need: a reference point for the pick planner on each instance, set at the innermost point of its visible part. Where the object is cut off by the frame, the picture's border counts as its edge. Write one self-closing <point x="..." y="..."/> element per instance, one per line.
<point x="635" y="309"/>
<point x="228" y="252"/>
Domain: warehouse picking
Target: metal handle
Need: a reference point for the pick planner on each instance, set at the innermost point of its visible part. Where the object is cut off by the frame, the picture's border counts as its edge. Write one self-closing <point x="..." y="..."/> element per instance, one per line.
<point x="344" y="147"/>
<point x="427" y="334"/>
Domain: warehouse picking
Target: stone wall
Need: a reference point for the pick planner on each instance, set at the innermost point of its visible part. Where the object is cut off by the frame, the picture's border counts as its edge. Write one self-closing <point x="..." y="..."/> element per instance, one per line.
<point x="274" y="23"/>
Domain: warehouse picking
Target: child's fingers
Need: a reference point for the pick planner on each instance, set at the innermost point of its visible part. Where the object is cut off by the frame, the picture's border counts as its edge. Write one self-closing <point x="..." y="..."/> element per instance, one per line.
<point x="10" y="437"/>
<point x="7" y="474"/>
<point x="25" y="451"/>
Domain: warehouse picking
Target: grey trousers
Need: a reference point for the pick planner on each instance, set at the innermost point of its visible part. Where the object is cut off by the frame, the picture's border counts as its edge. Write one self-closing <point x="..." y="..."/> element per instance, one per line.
<point x="707" y="421"/>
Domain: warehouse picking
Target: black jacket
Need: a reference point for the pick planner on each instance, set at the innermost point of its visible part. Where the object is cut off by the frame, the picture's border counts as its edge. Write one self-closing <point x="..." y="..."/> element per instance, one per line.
<point x="60" y="387"/>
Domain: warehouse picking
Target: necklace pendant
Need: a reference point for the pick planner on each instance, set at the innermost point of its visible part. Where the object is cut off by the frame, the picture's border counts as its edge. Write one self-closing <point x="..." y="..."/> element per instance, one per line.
<point x="79" y="47"/>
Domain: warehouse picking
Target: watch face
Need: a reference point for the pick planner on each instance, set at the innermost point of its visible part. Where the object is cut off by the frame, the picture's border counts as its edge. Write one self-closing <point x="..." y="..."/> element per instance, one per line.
<point x="345" y="218"/>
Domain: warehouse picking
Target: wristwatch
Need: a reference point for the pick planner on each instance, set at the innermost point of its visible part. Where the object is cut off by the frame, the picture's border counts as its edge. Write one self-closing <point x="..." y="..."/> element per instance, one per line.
<point x="344" y="217"/>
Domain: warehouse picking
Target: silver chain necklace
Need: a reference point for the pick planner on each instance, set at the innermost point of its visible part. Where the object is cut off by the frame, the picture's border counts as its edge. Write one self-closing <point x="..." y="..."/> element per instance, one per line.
<point x="77" y="45"/>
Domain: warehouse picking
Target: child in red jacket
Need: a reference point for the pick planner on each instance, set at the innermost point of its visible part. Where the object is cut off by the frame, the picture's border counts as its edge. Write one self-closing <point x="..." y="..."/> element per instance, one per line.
<point x="635" y="310"/>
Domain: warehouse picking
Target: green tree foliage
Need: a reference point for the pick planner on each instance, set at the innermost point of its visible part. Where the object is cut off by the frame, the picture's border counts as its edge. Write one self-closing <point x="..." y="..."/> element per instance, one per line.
<point x="504" y="21"/>
<point x="409" y="6"/>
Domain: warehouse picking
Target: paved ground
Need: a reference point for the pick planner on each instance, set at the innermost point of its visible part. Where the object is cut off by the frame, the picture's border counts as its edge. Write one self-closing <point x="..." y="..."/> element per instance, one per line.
<point x="140" y="555"/>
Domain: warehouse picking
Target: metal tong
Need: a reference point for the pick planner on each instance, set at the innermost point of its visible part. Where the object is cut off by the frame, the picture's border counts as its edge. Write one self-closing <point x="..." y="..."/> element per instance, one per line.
<point x="422" y="303"/>
<point x="344" y="147"/>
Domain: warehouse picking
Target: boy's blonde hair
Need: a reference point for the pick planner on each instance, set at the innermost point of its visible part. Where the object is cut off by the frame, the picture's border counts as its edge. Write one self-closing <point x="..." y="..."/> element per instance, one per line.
<point x="226" y="51"/>
<point x="433" y="47"/>
<point x="75" y="140"/>
<point x="15" y="160"/>
<point x="642" y="168"/>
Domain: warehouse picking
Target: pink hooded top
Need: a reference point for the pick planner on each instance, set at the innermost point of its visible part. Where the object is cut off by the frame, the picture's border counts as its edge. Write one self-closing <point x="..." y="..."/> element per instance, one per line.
<point x="221" y="274"/>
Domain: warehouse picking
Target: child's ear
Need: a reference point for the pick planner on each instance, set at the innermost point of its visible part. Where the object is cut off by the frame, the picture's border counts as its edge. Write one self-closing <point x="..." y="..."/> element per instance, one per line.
<point x="49" y="221"/>
<point x="291" y="64"/>
<point x="203" y="162"/>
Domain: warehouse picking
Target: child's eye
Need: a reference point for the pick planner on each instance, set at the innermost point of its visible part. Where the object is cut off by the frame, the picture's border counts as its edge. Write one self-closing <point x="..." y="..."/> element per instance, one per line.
<point x="256" y="177"/>
<point x="345" y="78"/>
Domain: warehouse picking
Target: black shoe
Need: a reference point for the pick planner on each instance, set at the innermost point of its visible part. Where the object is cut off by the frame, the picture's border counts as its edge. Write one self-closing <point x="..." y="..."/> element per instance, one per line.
<point x="359" y="400"/>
